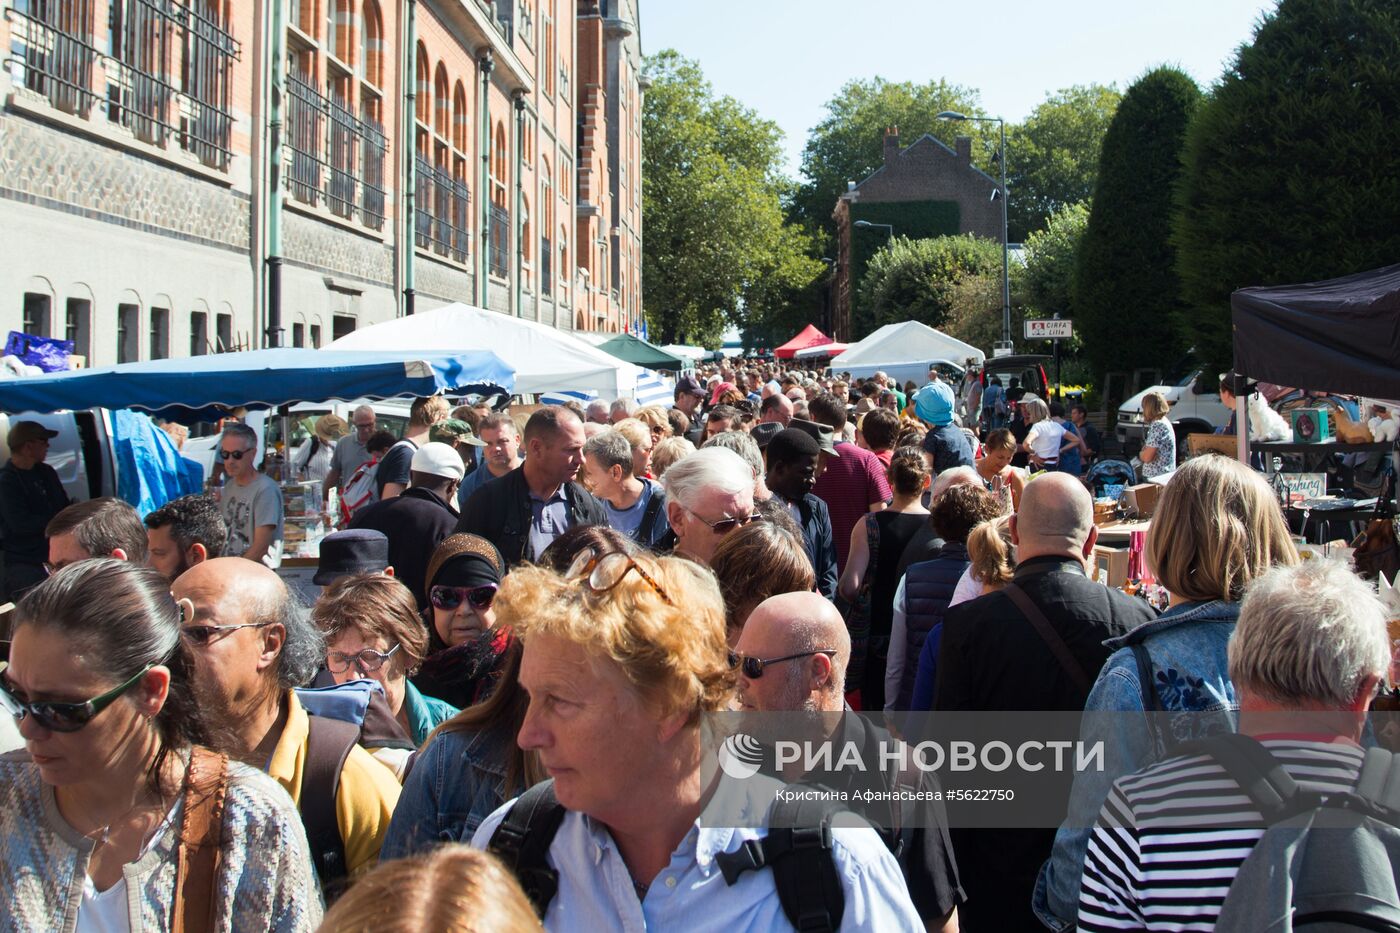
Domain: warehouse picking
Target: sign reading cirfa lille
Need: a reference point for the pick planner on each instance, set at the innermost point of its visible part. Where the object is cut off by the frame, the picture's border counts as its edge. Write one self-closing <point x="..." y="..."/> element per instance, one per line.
<point x="1049" y="329"/>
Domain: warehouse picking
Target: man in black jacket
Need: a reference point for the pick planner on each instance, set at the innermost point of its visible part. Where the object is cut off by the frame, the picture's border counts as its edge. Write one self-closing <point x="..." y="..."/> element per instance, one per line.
<point x="995" y="657"/>
<point x="792" y="472"/>
<point x="30" y="495"/>
<point x="417" y="521"/>
<point x="523" y="511"/>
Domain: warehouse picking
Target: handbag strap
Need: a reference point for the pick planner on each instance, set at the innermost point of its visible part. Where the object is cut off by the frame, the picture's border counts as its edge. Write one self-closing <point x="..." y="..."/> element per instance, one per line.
<point x="200" y="846"/>
<point x="872" y="541"/>
<point x="1052" y="638"/>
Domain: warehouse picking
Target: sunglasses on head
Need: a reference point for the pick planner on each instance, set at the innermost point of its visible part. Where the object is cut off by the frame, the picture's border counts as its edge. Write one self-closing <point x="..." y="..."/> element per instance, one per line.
<point x="62" y="717"/>
<point x="450" y="597"/>
<point x="234" y="454"/>
<point x="602" y="574"/>
<point x="753" y="667"/>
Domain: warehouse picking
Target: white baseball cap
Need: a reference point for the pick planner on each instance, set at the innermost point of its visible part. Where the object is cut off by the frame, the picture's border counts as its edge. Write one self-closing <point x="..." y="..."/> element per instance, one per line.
<point x="438" y="459"/>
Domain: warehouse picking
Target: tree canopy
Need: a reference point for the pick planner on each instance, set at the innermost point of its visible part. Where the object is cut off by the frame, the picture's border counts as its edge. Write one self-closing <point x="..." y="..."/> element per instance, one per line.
<point x="718" y="248"/>
<point x="1290" y="164"/>
<point x="1127" y="283"/>
<point x="919" y="279"/>
<point x="1054" y="155"/>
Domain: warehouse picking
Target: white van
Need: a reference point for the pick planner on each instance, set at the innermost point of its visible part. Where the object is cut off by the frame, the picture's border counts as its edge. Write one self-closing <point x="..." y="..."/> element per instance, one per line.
<point x="1195" y="409"/>
<point x="81" y="454"/>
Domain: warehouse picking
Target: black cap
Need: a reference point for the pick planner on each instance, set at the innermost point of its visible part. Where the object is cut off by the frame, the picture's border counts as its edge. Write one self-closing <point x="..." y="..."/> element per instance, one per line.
<point x="820" y="433"/>
<point x="355" y="550"/>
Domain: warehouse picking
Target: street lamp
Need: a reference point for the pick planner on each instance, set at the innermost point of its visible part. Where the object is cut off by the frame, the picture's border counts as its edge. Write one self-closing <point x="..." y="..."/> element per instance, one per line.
<point x="889" y="228"/>
<point x="1005" y="344"/>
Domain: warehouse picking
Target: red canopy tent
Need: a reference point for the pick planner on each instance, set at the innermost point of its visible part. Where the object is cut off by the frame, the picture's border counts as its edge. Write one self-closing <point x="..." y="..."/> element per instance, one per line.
<point x="810" y="337"/>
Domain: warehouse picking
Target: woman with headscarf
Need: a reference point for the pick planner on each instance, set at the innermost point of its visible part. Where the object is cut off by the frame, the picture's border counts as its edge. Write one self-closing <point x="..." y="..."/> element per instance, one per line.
<point x="465" y="649"/>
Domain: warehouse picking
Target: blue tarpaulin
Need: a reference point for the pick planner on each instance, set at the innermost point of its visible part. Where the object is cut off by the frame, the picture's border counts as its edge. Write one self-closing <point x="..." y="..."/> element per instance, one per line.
<point x="203" y="388"/>
<point x="150" y="470"/>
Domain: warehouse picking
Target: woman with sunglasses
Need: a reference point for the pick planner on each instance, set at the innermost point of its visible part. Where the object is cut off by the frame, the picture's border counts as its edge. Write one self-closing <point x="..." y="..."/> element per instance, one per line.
<point x="465" y="649"/>
<point x="373" y="632"/>
<point x="106" y="819"/>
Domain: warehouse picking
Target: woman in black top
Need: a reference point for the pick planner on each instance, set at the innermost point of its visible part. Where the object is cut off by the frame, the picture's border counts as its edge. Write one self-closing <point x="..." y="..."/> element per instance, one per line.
<point x="872" y="568"/>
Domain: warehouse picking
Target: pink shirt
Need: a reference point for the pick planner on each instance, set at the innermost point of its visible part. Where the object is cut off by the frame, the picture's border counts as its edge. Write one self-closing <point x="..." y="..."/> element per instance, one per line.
<point x="850" y="484"/>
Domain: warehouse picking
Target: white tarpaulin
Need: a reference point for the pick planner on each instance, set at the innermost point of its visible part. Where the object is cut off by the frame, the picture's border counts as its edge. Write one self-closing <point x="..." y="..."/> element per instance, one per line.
<point x="903" y="351"/>
<point x="544" y="359"/>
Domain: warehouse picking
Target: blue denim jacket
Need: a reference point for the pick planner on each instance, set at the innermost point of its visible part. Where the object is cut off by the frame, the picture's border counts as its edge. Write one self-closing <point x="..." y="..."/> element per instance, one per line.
<point x="457" y="781"/>
<point x="1187" y="645"/>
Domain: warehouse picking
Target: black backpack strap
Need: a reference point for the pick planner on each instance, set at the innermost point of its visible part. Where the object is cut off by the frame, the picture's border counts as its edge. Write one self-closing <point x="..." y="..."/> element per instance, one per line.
<point x="328" y="744"/>
<point x="1258" y="773"/>
<point x="1053" y="640"/>
<point x="804" y="870"/>
<point x="653" y="509"/>
<point x="523" y="838"/>
<point x="1151" y="699"/>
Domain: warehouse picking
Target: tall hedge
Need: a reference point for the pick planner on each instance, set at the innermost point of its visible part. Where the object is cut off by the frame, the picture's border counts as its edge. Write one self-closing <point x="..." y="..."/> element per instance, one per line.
<point x="1128" y="303"/>
<point x="1292" y="167"/>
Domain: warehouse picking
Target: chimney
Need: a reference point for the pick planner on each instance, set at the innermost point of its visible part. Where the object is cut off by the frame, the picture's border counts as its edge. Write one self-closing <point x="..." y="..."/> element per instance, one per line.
<point x="963" y="146"/>
<point x="891" y="144"/>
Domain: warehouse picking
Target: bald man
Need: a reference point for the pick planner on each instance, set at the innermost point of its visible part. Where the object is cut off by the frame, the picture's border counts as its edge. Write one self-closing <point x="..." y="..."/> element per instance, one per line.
<point x="251" y="642"/>
<point x="805" y="646"/>
<point x="994" y="657"/>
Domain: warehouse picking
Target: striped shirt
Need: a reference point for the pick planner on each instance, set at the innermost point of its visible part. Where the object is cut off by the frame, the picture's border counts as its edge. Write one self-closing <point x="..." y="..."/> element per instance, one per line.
<point x="1170" y="839"/>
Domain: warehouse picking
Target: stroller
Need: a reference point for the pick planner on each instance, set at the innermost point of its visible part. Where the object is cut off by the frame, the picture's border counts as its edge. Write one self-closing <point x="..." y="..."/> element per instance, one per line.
<point x="1109" y="473"/>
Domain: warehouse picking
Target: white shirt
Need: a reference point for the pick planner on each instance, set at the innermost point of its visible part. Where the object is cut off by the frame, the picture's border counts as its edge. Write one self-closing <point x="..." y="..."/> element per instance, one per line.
<point x="967" y="589"/>
<point x="1045" y="439"/>
<point x="596" y="892"/>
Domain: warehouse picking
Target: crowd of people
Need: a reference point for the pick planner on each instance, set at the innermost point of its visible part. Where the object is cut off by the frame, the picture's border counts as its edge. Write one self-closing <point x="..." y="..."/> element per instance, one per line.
<point x="491" y="716"/>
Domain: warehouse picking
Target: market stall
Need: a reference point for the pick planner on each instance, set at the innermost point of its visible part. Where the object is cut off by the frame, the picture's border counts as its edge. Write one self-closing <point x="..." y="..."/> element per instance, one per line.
<point x="638" y="352"/>
<point x="904" y="351"/>
<point x="808" y="337"/>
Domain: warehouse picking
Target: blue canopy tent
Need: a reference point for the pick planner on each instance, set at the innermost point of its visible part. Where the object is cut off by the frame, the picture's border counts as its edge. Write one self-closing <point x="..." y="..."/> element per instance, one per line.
<point x="204" y="388"/>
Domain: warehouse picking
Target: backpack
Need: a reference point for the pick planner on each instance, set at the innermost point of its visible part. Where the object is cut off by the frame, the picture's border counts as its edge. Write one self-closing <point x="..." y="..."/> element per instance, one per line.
<point x="804" y="871"/>
<point x="360" y="490"/>
<point x="1326" y="864"/>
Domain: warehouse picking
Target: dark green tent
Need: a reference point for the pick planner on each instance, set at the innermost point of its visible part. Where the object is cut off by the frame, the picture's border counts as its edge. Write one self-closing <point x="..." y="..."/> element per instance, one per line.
<point x="638" y="351"/>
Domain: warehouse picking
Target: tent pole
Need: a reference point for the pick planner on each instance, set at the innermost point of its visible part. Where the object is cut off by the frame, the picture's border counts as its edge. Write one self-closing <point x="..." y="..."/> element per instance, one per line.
<point x="1238" y="384"/>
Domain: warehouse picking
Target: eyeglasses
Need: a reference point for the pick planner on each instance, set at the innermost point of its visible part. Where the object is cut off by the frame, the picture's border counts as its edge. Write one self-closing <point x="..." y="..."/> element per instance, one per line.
<point x="753" y="667"/>
<point x="234" y="454"/>
<point x="725" y="525"/>
<point x="366" y="660"/>
<point x="364" y="427"/>
<point x="602" y="574"/>
<point x="202" y="635"/>
<point x="450" y="597"/>
<point x="63" y="717"/>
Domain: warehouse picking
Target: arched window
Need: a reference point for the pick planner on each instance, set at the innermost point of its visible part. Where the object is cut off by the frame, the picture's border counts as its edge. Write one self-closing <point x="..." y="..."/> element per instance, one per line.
<point x="423" y="108"/>
<point x="459" y="119"/>
<point x="340" y="18"/>
<point x="564" y="271"/>
<point x="372" y="45"/>
<point x="546" y="197"/>
<point x="442" y="116"/>
<point x="498" y="166"/>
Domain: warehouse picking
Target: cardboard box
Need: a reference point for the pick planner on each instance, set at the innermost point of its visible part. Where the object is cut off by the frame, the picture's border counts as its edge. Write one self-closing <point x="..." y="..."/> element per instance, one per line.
<point x="1142" y="499"/>
<point x="1226" y="444"/>
<point x="1110" y="565"/>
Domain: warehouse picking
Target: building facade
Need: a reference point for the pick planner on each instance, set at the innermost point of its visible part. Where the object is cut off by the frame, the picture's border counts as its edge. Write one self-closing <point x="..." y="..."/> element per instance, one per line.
<point x="190" y="176"/>
<point x="922" y="190"/>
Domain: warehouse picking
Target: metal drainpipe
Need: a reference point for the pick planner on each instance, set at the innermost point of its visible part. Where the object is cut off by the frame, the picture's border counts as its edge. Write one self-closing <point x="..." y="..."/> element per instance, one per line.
<point x="408" y="146"/>
<point x="483" y="187"/>
<point x="278" y="64"/>
<point x="517" y="228"/>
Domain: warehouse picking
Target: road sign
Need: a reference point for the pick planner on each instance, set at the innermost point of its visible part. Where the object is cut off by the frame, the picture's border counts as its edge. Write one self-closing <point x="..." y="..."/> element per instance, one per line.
<point x="1049" y="330"/>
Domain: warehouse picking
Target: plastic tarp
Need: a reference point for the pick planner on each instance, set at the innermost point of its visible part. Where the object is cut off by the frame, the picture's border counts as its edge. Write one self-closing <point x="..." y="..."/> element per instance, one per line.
<point x="1341" y="335"/>
<point x="544" y="359"/>
<point x="199" y="388"/>
<point x="904" y="351"/>
<point x="808" y="337"/>
<point x="150" y="470"/>
<point x="638" y="351"/>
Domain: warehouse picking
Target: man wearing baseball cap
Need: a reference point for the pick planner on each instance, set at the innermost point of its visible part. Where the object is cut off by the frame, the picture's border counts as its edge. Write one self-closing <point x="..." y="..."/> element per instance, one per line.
<point x="416" y="521"/>
<point x="689" y="394"/>
<point x="31" y="494"/>
<point x="458" y="434"/>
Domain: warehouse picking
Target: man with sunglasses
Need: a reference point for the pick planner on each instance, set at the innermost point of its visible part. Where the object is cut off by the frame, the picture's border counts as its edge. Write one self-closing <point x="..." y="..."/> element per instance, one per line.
<point x="251" y="501"/>
<point x="708" y="495"/>
<point x="793" y="456"/>
<point x="792" y="658"/>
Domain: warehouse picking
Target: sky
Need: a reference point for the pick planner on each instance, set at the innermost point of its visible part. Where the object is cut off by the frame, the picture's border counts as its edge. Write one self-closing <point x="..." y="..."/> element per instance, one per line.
<point x="787" y="58"/>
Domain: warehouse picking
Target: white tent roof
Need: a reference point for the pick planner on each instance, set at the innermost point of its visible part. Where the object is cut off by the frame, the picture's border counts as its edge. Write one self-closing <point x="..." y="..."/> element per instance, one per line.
<point x="907" y="347"/>
<point x="544" y="359"/>
<point x="694" y="354"/>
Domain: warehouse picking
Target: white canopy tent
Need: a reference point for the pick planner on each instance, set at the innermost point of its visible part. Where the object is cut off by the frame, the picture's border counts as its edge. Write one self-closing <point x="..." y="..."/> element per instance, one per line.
<point x="544" y="359"/>
<point x="691" y="355"/>
<point x="903" y="351"/>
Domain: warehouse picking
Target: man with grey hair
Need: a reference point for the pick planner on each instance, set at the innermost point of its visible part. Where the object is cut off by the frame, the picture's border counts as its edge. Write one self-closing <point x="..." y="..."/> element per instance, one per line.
<point x="743" y="444"/>
<point x="708" y="495"/>
<point x="636" y="506"/>
<point x="251" y="643"/>
<point x="597" y="412"/>
<point x="251" y="502"/>
<point x="621" y="409"/>
<point x="1034" y="645"/>
<point x="1307" y="656"/>
<point x="350" y="451"/>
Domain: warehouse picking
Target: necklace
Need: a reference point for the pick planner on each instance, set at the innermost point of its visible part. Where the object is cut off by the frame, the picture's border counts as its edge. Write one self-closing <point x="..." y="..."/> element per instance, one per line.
<point x="105" y="832"/>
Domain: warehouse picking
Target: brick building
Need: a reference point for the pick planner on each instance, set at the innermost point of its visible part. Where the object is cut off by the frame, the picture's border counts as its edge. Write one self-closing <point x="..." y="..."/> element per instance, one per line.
<point x="178" y="175"/>
<point x="923" y="190"/>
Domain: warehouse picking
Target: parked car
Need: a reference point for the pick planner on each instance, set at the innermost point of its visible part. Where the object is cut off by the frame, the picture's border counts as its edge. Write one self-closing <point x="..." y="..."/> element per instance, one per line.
<point x="1195" y="409"/>
<point x="1028" y="369"/>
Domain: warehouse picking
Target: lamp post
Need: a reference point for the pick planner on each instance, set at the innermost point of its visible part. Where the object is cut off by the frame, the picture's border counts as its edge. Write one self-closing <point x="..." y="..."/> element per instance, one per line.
<point x="889" y="228"/>
<point x="1005" y="344"/>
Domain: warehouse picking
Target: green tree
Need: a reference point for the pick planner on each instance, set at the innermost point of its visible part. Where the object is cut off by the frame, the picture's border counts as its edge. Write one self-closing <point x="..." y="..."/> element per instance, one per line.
<point x="848" y="144"/>
<point x="717" y="249"/>
<point x="918" y="279"/>
<point x="1290" y="165"/>
<point x="1127" y="296"/>
<point x="1051" y="255"/>
<point x="1054" y="155"/>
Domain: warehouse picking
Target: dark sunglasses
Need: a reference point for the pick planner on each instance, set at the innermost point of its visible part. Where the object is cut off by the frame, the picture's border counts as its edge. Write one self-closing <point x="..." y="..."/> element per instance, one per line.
<point x="202" y="635"/>
<point x="63" y="717"/>
<point x="366" y="660"/>
<point x="602" y="574"/>
<point x="233" y="454"/>
<point x="450" y="597"/>
<point x="725" y="525"/>
<point x="753" y="667"/>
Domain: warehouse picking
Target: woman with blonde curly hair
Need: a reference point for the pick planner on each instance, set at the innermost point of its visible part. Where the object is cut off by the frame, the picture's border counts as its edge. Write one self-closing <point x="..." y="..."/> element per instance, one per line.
<point x="654" y="417"/>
